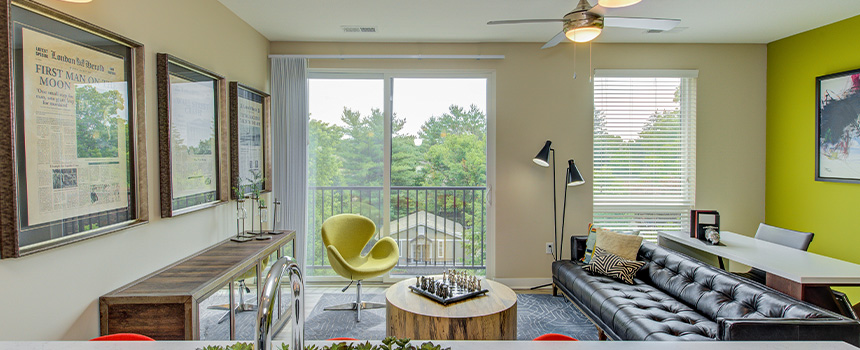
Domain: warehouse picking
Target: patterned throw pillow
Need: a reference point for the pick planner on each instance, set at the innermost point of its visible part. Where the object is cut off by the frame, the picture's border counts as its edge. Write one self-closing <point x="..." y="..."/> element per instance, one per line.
<point x="611" y="265"/>
<point x="589" y="243"/>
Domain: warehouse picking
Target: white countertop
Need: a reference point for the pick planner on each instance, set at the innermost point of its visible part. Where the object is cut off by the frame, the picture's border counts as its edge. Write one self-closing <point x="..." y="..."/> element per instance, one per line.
<point x="793" y="264"/>
<point x="456" y="345"/>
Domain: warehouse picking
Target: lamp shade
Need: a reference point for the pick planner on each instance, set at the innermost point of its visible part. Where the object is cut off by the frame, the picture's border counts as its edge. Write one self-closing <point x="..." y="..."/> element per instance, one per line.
<point x="574" y="178"/>
<point x="542" y="158"/>
<point x="617" y="3"/>
<point x="583" y="34"/>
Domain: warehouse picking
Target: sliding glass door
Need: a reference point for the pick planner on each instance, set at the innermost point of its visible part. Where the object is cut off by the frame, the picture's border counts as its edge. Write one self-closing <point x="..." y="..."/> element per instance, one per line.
<point x="408" y="151"/>
<point x="439" y="174"/>
<point x="345" y="156"/>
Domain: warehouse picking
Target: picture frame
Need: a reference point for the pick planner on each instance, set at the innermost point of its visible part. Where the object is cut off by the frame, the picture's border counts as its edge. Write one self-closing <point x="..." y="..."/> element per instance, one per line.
<point x="192" y="136"/>
<point x="250" y="137"/>
<point x="837" y="127"/>
<point x="68" y="173"/>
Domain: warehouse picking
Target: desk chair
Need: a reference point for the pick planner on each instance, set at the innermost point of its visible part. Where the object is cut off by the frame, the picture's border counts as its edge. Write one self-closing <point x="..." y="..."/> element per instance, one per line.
<point x="789" y="238"/>
<point x="344" y="237"/>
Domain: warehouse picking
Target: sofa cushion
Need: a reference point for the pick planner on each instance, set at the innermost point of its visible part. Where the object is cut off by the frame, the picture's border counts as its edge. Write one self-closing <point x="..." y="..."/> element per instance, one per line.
<point x="611" y="265"/>
<point x="635" y="312"/>
<point x="625" y="246"/>
<point x="716" y="293"/>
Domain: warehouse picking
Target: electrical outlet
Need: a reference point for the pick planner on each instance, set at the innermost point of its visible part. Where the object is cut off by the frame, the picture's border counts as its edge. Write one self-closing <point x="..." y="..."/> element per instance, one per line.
<point x="549" y="247"/>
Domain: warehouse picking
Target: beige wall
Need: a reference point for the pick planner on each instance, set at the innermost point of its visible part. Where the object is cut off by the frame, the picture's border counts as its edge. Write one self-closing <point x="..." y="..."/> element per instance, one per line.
<point x="537" y="99"/>
<point x="54" y="294"/>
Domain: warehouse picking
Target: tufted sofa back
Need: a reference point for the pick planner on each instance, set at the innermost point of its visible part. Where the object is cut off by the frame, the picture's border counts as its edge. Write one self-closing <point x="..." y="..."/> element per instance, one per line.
<point x="714" y="292"/>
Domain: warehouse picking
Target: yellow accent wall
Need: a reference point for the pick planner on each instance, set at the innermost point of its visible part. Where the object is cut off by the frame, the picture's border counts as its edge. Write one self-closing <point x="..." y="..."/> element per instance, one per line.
<point x="793" y="198"/>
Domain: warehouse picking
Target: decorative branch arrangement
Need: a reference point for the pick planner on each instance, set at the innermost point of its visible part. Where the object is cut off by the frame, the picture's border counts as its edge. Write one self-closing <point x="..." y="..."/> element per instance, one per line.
<point x="390" y="343"/>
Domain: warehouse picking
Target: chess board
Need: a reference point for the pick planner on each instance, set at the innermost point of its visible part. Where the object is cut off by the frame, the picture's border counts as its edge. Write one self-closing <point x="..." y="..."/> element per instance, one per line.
<point x="458" y="294"/>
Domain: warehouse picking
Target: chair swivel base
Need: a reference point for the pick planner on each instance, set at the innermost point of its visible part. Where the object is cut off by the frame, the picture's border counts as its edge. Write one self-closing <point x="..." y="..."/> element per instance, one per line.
<point x="353" y="306"/>
<point x="239" y="308"/>
<point x="357" y="305"/>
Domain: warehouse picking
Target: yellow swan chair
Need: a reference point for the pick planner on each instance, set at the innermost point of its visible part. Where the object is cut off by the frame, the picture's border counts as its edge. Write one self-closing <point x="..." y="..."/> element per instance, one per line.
<point x="344" y="237"/>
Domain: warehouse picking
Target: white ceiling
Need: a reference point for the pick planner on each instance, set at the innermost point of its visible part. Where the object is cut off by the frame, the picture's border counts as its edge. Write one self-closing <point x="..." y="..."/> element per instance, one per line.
<point x="702" y="21"/>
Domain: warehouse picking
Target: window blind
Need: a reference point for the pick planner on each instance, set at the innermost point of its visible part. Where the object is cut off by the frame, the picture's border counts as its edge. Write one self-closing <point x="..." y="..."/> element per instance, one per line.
<point x="644" y="150"/>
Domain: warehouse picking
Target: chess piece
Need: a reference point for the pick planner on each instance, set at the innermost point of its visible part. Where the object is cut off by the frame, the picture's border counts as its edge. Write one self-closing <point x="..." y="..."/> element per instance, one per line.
<point x="479" y="284"/>
<point x="417" y="281"/>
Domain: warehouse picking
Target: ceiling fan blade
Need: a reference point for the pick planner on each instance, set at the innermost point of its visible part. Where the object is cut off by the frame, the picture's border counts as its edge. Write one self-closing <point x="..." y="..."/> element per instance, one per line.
<point x="558" y="38"/>
<point x="641" y="23"/>
<point x="598" y="10"/>
<point x="518" y="21"/>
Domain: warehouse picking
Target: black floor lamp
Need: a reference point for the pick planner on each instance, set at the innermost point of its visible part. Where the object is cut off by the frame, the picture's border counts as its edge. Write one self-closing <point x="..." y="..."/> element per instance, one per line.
<point x="573" y="178"/>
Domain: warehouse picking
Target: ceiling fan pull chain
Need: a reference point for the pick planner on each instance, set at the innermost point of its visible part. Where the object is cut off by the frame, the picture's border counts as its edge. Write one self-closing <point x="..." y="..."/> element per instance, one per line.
<point x="590" y="69"/>
<point x="574" y="61"/>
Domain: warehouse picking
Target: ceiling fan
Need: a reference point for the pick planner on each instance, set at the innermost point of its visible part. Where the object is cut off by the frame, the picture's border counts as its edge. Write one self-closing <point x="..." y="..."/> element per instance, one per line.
<point x="586" y="22"/>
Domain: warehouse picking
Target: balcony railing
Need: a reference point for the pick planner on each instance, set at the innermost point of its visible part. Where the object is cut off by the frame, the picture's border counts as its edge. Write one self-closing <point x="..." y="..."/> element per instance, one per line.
<point x="436" y="228"/>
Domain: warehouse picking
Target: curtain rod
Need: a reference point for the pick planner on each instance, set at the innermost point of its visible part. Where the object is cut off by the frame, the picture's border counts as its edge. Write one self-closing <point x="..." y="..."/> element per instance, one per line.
<point x="416" y="57"/>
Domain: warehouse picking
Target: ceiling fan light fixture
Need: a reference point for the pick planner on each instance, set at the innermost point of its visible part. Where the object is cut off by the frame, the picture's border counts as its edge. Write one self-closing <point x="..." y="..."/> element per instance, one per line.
<point x="617" y="3"/>
<point x="583" y="34"/>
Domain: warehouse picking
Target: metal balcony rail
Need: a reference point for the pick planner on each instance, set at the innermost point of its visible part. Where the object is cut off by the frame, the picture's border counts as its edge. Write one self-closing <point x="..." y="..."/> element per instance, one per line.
<point x="436" y="228"/>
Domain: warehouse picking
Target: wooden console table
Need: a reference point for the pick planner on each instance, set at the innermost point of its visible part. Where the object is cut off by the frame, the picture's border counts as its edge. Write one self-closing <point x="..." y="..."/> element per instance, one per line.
<point x="165" y="305"/>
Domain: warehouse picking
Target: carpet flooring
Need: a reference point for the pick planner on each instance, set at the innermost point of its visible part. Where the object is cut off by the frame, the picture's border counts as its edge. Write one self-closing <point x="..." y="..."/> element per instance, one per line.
<point x="536" y="314"/>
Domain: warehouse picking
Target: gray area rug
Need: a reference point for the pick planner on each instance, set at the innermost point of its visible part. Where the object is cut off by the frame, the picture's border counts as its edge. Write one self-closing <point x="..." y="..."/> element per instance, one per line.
<point x="536" y="314"/>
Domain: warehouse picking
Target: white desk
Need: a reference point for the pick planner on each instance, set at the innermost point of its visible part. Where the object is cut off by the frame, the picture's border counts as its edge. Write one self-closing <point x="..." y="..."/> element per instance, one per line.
<point x="458" y="345"/>
<point x="798" y="273"/>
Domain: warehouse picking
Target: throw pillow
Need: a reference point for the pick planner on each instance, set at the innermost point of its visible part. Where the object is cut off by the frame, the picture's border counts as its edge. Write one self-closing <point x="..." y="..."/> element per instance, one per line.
<point x="625" y="246"/>
<point x="589" y="243"/>
<point x="611" y="265"/>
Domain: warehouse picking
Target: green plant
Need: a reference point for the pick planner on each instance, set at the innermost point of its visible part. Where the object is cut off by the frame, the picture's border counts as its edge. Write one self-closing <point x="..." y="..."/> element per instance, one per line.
<point x="239" y="190"/>
<point x="390" y="343"/>
<point x="256" y="183"/>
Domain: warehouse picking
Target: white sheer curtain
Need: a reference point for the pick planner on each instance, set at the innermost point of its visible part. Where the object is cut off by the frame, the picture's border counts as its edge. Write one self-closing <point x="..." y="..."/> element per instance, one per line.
<point x="289" y="84"/>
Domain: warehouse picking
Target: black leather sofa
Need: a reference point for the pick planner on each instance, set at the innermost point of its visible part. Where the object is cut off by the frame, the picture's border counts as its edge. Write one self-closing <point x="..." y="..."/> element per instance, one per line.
<point x="677" y="297"/>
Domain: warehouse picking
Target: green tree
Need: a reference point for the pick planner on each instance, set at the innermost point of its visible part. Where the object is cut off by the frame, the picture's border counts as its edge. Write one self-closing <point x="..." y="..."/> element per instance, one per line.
<point x="406" y="158"/>
<point x="361" y="148"/>
<point x="97" y="120"/>
<point x="323" y="160"/>
<point x="455" y="148"/>
<point x="461" y="160"/>
<point x="458" y="121"/>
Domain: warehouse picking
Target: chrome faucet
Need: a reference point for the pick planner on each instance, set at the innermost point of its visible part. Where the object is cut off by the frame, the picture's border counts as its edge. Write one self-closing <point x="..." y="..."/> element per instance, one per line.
<point x="266" y="306"/>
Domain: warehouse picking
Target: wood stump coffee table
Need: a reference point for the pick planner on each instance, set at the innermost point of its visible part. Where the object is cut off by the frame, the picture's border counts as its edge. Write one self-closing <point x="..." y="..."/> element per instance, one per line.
<point x="492" y="316"/>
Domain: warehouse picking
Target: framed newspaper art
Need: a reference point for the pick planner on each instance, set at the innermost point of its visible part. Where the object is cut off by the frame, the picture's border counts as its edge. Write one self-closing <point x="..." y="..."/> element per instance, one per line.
<point x="192" y="136"/>
<point x="72" y="146"/>
<point x="250" y="139"/>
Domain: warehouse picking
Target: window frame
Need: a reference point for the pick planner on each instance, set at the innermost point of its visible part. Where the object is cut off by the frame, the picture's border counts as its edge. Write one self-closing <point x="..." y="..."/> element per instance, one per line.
<point x="687" y="111"/>
<point x="388" y="75"/>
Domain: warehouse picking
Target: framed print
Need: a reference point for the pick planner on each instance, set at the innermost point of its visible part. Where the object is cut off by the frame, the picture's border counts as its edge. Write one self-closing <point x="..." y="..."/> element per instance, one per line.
<point x="250" y="139"/>
<point x="192" y="127"/>
<point x="72" y="146"/>
<point x="837" y="127"/>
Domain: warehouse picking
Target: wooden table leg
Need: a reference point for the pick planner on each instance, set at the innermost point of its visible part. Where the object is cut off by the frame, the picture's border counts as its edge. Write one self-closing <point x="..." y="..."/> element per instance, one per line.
<point x="820" y="295"/>
<point x="600" y="334"/>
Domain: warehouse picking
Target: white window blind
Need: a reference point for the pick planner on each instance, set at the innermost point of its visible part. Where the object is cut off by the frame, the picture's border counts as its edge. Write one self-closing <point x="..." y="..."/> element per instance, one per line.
<point x="644" y="150"/>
